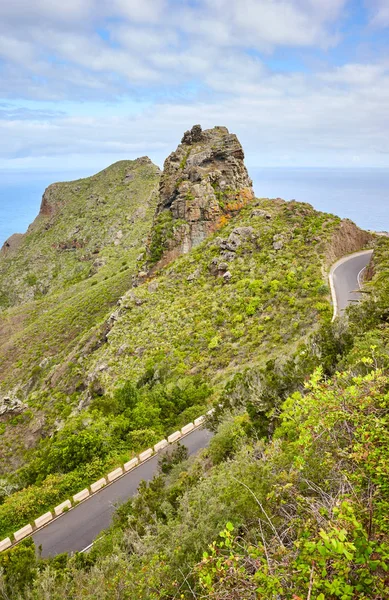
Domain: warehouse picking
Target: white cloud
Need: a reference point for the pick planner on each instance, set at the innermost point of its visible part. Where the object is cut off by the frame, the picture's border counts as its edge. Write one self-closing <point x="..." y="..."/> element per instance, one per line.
<point x="355" y="74"/>
<point x="264" y="24"/>
<point x="16" y="50"/>
<point x="300" y="119"/>
<point x="143" y="11"/>
<point x="149" y="41"/>
<point x="189" y="62"/>
<point x="138" y="37"/>
<point x="21" y="11"/>
<point x="92" y="54"/>
<point x="379" y="10"/>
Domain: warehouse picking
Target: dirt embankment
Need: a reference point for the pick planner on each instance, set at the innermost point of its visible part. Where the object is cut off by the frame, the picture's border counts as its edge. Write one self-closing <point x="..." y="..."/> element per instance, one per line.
<point x="347" y="238"/>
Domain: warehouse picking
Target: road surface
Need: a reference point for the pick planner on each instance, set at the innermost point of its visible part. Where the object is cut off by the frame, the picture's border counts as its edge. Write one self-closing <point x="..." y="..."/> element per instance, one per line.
<point x="75" y="530"/>
<point x="345" y="279"/>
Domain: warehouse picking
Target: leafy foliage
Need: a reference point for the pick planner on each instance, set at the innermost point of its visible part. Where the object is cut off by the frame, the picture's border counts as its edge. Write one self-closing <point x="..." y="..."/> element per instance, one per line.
<point x="290" y="500"/>
<point x="113" y="429"/>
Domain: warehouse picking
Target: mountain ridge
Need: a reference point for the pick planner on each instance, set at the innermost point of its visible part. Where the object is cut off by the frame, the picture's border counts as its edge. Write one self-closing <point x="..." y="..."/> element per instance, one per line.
<point x="66" y="339"/>
<point x="128" y="343"/>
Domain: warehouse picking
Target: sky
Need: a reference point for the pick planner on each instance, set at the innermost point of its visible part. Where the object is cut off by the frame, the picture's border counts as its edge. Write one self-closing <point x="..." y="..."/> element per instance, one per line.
<point x="86" y="82"/>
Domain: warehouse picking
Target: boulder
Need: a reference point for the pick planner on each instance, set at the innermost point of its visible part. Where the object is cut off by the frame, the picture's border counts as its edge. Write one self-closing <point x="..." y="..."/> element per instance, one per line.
<point x="257" y="212"/>
<point x="12" y="244"/>
<point x="278" y="241"/>
<point x="11" y="405"/>
<point x="193" y="276"/>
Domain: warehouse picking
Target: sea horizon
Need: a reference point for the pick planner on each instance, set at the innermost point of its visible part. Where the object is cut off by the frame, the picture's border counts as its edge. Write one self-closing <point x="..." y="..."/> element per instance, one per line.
<point x="360" y="194"/>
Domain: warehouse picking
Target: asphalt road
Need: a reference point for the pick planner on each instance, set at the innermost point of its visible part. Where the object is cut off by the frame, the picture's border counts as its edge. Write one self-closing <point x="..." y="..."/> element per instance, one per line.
<point x="345" y="275"/>
<point x="75" y="530"/>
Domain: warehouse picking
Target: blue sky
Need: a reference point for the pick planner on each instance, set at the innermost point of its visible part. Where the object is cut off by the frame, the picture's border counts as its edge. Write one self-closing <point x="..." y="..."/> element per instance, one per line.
<point x="86" y="82"/>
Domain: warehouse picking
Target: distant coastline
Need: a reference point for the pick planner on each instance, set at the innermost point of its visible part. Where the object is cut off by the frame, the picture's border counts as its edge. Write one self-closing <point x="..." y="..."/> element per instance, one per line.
<point x="361" y="195"/>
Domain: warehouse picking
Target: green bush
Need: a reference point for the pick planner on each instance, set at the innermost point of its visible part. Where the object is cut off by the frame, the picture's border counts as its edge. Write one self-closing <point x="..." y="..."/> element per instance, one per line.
<point x="229" y="438"/>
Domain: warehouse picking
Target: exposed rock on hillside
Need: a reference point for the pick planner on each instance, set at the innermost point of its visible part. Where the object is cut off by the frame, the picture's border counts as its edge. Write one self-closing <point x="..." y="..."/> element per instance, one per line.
<point x="51" y="200"/>
<point x="347" y="239"/>
<point x="12" y="244"/>
<point x="11" y="405"/>
<point x="204" y="182"/>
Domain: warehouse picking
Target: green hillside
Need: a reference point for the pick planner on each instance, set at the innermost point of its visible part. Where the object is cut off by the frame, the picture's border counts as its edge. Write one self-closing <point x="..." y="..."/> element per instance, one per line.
<point x="84" y="228"/>
<point x="301" y="515"/>
<point x="169" y="349"/>
<point x="104" y="350"/>
<point x="39" y="337"/>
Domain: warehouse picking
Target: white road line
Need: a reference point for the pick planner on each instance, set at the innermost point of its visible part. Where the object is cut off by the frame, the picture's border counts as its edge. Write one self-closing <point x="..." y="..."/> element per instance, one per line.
<point x="359" y="277"/>
<point x="87" y="547"/>
<point x="90" y="545"/>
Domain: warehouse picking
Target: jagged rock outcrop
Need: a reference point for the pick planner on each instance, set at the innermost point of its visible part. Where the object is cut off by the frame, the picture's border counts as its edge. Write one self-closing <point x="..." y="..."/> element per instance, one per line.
<point x="203" y="183"/>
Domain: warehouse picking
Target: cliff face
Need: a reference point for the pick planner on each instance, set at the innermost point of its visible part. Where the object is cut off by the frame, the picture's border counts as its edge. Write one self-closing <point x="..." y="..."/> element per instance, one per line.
<point x="51" y="200"/>
<point x="204" y="182"/>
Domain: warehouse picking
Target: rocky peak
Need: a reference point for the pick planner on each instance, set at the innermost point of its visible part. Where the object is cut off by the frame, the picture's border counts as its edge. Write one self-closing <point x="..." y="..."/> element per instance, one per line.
<point x="203" y="183"/>
<point x="193" y="136"/>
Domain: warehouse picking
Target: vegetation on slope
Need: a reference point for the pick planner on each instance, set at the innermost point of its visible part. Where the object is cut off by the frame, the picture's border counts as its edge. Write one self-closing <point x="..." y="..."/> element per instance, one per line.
<point x="39" y="338"/>
<point x="176" y="340"/>
<point x="310" y="519"/>
<point x="303" y="514"/>
<point x="230" y="302"/>
<point x="242" y="322"/>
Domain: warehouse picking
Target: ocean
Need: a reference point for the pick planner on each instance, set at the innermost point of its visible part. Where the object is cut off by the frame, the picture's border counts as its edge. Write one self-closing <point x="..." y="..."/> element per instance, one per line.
<point x="359" y="194"/>
<point x="21" y="196"/>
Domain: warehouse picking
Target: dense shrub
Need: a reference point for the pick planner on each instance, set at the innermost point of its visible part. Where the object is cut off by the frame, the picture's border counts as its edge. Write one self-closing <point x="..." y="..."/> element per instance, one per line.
<point x="132" y="419"/>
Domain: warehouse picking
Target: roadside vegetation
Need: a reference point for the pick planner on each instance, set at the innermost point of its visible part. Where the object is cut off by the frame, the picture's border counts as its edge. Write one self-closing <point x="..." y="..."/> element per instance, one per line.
<point x="181" y="342"/>
<point x="290" y="499"/>
<point x="299" y="512"/>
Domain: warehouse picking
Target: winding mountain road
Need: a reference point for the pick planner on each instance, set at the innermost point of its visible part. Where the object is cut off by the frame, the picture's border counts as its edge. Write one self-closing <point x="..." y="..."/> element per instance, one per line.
<point x="75" y="530"/>
<point x="345" y="279"/>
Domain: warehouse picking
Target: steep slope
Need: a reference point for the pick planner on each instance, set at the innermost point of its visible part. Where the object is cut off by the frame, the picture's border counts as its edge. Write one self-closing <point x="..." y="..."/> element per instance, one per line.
<point x="113" y="355"/>
<point x="303" y="514"/>
<point x="169" y="349"/>
<point x="82" y="275"/>
<point x="83" y="227"/>
<point x="249" y="292"/>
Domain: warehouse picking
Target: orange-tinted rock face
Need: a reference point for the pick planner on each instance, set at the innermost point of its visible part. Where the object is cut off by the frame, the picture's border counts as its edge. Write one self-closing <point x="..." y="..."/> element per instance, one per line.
<point x="203" y="183"/>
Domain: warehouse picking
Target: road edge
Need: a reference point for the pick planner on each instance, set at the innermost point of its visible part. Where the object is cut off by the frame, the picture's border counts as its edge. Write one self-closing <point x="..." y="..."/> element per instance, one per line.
<point x="197" y="424"/>
<point x="331" y="276"/>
